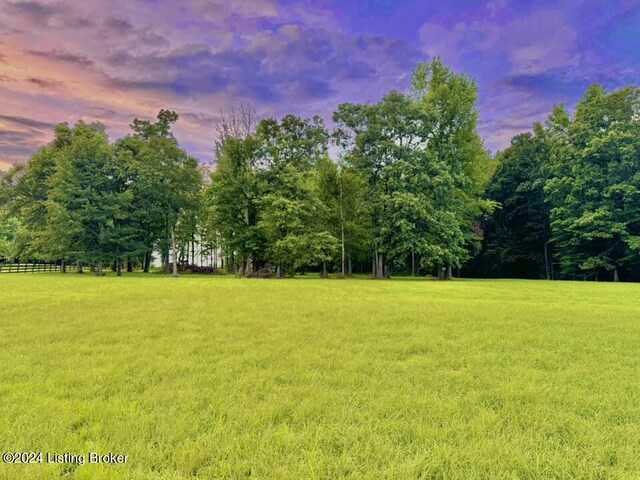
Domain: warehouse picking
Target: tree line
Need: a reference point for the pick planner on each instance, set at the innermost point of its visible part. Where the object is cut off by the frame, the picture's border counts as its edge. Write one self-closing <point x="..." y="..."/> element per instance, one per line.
<point x="83" y="199"/>
<point x="569" y="195"/>
<point x="413" y="191"/>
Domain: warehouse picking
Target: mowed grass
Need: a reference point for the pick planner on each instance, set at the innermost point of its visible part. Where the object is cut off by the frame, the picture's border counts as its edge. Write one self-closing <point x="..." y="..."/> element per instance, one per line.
<point x="218" y="377"/>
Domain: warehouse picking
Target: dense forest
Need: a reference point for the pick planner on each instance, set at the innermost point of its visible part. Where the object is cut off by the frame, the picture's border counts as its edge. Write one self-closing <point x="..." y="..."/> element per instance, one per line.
<point x="413" y="191"/>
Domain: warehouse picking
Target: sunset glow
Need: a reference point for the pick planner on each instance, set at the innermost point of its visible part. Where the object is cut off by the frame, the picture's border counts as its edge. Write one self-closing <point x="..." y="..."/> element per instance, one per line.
<point x="111" y="61"/>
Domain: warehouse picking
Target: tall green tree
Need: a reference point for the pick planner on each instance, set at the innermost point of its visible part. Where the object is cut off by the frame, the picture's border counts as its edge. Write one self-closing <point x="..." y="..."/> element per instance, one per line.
<point x="342" y="192"/>
<point x="165" y="182"/>
<point x="424" y="168"/>
<point x="382" y="143"/>
<point x="449" y="100"/>
<point x="10" y="224"/>
<point x="234" y="197"/>
<point x="290" y="151"/>
<point x="87" y="205"/>
<point x="138" y="162"/>
<point x="595" y="188"/>
<point x="30" y="195"/>
<point x="518" y="235"/>
<point x="9" y="230"/>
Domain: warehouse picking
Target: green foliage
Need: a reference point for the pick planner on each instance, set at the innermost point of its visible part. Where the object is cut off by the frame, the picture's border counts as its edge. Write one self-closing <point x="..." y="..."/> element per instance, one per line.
<point x="595" y="189"/>
<point x="342" y="191"/>
<point x="517" y="235"/>
<point x="28" y="189"/>
<point x="165" y="180"/>
<point x="570" y="194"/>
<point x="81" y="198"/>
<point x="413" y="190"/>
<point x="9" y="231"/>
<point x="264" y="197"/>
<point x="161" y="128"/>
<point x="87" y="204"/>
<point x="233" y="198"/>
<point x="424" y="168"/>
<point x="293" y="217"/>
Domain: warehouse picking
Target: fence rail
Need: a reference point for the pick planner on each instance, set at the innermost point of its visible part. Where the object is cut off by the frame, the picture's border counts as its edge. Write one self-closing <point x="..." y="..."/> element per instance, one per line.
<point x="32" y="267"/>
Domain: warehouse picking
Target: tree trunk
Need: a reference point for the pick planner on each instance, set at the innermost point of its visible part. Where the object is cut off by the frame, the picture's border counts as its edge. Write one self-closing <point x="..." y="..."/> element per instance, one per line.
<point x="616" y="278"/>
<point x="324" y="269"/>
<point x="381" y="272"/>
<point x="279" y="272"/>
<point x="342" y="263"/>
<point x="413" y="263"/>
<point x="246" y="266"/>
<point x="193" y="249"/>
<point x="79" y="267"/>
<point x="147" y="262"/>
<point x="349" y="269"/>
<point x="129" y="265"/>
<point x="99" y="272"/>
<point x="546" y="262"/>
<point x="448" y="272"/>
<point x="63" y="267"/>
<point x="167" y="250"/>
<point x="175" y="253"/>
<point x="118" y="268"/>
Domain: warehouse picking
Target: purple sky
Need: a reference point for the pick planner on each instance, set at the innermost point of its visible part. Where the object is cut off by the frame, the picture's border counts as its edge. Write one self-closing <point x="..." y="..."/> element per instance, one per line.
<point x="112" y="60"/>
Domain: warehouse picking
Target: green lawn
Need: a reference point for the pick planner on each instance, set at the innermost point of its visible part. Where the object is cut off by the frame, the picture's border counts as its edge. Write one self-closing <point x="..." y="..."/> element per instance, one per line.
<point x="218" y="377"/>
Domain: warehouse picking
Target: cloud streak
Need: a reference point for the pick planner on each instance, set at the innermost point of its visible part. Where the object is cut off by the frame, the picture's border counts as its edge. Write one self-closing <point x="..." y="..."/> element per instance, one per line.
<point x="56" y="16"/>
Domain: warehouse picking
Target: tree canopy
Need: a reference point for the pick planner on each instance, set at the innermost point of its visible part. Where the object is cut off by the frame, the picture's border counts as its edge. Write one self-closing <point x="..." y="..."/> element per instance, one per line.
<point x="411" y="189"/>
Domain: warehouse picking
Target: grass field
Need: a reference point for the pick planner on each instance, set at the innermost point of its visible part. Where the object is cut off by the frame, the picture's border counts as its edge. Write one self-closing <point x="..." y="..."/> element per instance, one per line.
<point x="202" y="377"/>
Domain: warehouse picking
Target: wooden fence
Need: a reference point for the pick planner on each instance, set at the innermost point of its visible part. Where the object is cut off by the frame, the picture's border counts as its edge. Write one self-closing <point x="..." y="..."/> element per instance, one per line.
<point x="32" y="267"/>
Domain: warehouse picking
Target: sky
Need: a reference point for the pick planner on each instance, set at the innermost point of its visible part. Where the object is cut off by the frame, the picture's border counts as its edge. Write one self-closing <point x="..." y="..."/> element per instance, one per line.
<point x="113" y="60"/>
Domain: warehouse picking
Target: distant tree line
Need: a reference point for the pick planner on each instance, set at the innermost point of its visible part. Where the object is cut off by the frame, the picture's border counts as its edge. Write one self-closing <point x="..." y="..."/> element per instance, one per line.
<point x="403" y="196"/>
<point x="85" y="200"/>
<point x="569" y="195"/>
<point x="413" y="192"/>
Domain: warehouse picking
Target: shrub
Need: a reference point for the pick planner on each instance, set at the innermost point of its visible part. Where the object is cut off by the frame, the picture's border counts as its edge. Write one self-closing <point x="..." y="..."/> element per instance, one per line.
<point x="262" y="273"/>
<point x="195" y="269"/>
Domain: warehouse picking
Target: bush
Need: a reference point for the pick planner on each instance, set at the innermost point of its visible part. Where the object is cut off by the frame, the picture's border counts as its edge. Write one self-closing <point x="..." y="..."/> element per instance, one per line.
<point x="195" y="269"/>
<point x="262" y="273"/>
